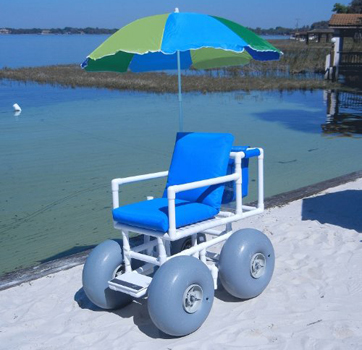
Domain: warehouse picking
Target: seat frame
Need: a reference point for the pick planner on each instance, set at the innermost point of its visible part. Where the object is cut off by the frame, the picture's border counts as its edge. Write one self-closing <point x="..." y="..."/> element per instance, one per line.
<point x="138" y="280"/>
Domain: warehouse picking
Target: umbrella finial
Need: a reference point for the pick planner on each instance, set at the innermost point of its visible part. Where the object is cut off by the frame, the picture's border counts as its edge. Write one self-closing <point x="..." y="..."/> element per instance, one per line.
<point x="177" y="10"/>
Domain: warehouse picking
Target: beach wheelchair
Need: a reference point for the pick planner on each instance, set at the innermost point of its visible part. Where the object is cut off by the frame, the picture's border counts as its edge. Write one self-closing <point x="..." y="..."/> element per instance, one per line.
<point x="173" y="265"/>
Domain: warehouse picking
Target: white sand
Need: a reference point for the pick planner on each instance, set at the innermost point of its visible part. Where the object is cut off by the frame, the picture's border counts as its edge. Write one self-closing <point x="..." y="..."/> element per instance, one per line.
<point x="314" y="300"/>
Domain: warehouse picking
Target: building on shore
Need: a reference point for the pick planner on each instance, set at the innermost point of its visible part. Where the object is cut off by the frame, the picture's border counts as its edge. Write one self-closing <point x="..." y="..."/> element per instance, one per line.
<point x="314" y="35"/>
<point x="342" y="60"/>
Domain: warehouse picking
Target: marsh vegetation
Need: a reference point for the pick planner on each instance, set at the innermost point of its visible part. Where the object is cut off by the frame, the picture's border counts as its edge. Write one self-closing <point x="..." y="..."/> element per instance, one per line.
<point x="301" y="67"/>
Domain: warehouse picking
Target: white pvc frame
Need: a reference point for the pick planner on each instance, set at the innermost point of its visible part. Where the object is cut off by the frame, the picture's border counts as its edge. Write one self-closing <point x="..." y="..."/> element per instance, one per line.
<point x="163" y="240"/>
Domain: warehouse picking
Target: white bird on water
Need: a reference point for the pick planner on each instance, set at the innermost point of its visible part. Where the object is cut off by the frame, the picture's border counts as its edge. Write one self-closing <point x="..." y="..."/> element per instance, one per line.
<point x="16" y="107"/>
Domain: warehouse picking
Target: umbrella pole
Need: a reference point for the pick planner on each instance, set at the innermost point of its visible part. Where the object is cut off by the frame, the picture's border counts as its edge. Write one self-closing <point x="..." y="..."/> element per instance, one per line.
<point x="180" y="117"/>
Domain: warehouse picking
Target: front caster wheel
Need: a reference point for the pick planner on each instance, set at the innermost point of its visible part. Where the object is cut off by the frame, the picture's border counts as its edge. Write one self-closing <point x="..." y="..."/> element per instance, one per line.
<point x="102" y="265"/>
<point x="180" y="296"/>
<point x="246" y="263"/>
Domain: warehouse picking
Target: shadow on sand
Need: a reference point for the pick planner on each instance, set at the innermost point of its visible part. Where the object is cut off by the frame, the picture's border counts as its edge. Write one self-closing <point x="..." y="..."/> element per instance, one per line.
<point x="342" y="209"/>
<point x="137" y="309"/>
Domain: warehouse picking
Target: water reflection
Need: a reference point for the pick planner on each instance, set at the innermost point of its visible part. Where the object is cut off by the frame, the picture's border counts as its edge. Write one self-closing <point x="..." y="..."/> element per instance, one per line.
<point x="16" y="115"/>
<point x="344" y="113"/>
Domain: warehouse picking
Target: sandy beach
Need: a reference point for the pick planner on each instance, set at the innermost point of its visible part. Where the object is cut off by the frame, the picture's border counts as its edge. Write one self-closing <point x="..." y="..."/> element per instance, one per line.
<point x="312" y="302"/>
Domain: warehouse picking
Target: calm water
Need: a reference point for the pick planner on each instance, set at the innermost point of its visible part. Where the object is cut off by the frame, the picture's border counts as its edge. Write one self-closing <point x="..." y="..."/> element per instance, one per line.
<point x="41" y="50"/>
<point x="58" y="156"/>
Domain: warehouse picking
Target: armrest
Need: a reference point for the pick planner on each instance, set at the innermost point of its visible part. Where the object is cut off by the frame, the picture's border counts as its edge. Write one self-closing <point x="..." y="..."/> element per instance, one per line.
<point x="203" y="183"/>
<point x="247" y="153"/>
<point x="172" y="190"/>
<point x="252" y="152"/>
<point x="126" y="180"/>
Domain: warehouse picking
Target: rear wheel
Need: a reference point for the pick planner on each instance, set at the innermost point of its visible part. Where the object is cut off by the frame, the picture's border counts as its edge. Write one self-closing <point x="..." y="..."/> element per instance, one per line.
<point x="185" y="243"/>
<point x="246" y="263"/>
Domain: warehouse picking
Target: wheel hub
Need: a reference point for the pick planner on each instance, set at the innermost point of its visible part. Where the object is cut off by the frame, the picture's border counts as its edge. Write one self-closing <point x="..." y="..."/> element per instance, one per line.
<point x="257" y="265"/>
<point x="192" y="298"/>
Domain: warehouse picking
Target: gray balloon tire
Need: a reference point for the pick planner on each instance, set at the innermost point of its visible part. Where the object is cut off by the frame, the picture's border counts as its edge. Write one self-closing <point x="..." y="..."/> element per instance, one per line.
<point x="99" y="268"/>
<point x="181" y="244"/>
<point x="166" y="292"/>
<point x="235" y="261"/>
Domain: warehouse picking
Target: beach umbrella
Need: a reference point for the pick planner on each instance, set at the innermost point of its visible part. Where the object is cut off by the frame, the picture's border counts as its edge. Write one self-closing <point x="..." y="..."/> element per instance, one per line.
<point x="179" y="40"/>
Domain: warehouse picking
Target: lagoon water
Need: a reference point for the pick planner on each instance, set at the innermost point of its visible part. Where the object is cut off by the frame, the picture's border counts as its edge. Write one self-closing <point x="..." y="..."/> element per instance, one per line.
<point x="40" y="50"/>
<point x="57" y="158"/>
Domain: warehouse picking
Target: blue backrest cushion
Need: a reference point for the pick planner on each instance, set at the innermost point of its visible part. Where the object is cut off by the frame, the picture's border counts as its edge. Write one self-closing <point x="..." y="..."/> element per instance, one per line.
<point x="200" y="156"/>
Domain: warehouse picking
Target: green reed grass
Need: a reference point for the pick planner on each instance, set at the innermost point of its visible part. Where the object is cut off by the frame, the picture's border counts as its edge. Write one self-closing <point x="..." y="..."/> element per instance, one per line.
<point x="296" y="70"/>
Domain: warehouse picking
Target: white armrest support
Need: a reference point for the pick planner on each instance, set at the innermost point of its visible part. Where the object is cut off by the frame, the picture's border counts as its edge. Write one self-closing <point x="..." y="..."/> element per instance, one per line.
<point x="172" y="190"/>
<point x="202" y="183"/>
<point x="238" y="156"/>
<point x="126" y="180"/>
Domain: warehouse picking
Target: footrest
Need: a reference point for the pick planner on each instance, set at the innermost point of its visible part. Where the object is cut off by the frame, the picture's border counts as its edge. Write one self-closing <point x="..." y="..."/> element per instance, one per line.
<point x="131" y="283"/>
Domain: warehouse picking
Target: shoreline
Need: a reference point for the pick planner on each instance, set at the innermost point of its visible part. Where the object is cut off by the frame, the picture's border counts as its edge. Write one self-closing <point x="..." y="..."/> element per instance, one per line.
<point x="73" y="76"/>
<point x="13" y="279"/>
<point x="301" y="67"/>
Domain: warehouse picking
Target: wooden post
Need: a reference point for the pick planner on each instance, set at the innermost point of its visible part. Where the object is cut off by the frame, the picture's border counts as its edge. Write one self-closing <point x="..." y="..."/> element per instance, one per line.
<point x="327" y="67"/>
<point x="335" y="57"/>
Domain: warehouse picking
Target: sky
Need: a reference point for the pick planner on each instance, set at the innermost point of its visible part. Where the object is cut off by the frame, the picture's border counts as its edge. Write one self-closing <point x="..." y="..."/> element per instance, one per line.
<point x="117" y="13"/>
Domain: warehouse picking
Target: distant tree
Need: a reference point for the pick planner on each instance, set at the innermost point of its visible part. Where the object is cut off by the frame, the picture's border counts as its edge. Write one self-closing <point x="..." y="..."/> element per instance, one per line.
<point x="355" y="6"/>
<point x="304" y="28"/>
<point x="258" y="30"/>
<point x="320" y="25"/>
<point x="339" y="8"/>
<point x="32" y="31"/>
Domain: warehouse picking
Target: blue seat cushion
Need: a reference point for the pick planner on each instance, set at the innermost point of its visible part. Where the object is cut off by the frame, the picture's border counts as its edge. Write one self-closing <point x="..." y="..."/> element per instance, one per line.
<point x="200" y="156"/>
<point x="153" y="214"/>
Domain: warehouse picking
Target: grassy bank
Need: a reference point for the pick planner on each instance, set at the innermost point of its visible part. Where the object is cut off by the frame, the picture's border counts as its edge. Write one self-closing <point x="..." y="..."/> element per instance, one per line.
<point x="298" y="58"/>
<point x="74" y="76"/>
<point x="299" y="68"/>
